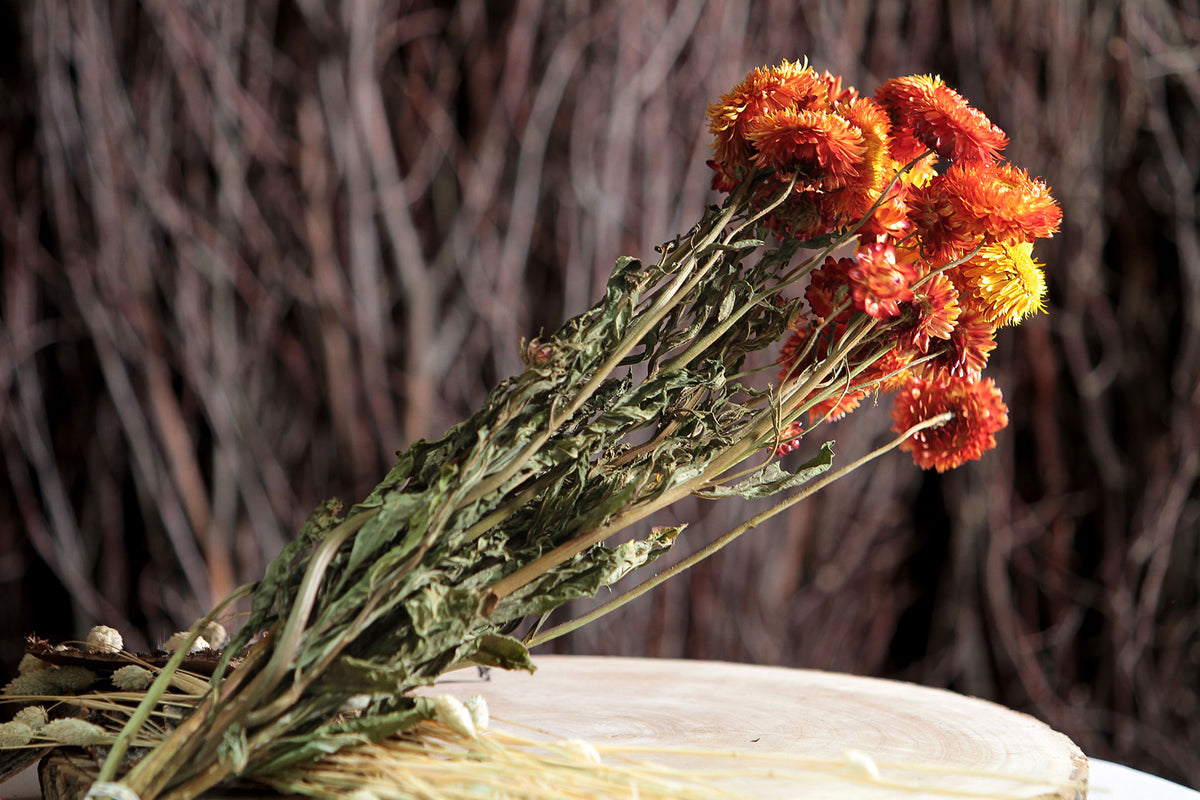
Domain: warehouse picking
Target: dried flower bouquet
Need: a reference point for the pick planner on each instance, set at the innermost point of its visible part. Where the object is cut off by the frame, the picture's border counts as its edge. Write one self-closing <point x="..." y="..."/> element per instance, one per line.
<point x="877" y="242"/>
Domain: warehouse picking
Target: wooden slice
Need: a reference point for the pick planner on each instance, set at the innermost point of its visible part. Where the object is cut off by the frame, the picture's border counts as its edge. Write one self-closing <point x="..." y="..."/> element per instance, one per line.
<point x="787" y="733"/>
<point x="758" y="732"/>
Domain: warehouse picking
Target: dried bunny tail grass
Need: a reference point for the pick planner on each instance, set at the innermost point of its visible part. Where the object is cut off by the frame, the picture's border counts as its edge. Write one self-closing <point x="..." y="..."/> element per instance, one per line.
<point x="214" y="634"/>
<point x="33" y="716"/>
<point x="451" y="712"/>
<point x="31" y="664"/>
<point x="478" y="708"/>
<point x="74" y="732"/>
<point x="132" y="678"/>
<point x="179" y="639"/>
<point x="15" y="734"/>
<point x="50" y="680"/>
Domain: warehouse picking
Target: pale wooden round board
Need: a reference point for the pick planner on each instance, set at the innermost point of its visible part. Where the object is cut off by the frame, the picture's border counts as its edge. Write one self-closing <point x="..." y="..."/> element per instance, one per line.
<point x="925" y="743"/>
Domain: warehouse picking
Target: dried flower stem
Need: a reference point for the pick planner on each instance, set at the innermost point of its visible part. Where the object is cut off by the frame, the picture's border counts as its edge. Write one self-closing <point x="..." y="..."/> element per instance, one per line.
<point x="154" y="694"/>
<point x="728" y="537"/>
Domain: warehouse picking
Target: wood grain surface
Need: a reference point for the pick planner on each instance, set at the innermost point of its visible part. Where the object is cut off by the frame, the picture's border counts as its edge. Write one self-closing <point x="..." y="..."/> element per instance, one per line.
<point x="925" y="743"/>
<point x="763" y="732"/>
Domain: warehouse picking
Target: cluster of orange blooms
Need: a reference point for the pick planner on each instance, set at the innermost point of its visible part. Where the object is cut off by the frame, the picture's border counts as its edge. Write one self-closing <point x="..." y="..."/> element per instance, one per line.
<point x="945" y="233"/>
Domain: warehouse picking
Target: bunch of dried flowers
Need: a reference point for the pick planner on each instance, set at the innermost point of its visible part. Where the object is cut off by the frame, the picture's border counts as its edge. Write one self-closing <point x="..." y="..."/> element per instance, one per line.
<point x="898" y="243"/>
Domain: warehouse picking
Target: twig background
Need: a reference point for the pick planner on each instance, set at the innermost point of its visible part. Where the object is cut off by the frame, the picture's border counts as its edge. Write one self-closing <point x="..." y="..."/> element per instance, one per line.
<point x="250" y="249"/>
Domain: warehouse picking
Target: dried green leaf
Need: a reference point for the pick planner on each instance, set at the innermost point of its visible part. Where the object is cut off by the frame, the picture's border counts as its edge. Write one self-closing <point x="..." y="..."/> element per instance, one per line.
<point x="497" y="650"/>
<point x="774" y="478"/>
<point x="350" y="675"/>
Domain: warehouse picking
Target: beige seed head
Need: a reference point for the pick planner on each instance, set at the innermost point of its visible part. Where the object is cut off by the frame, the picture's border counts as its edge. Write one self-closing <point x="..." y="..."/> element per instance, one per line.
<point x="451" y="712"/>
<point x="177" y="641"/>
<point x="33" y="716"/>
<point x="74" y="732"/>
<point x="70" y="678"/>
<point x="15" y="734"/>
<point x="30" y="664"/>
<point x="132" y="678"/>
<point x="478" y="709"/>
<point x="103" y="639"/>
<point x="582" y="750"/>
<point x="215" y="634"/>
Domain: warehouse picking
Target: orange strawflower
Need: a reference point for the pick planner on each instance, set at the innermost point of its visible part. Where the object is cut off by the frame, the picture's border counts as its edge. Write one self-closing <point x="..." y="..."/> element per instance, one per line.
<point x="944" y="232"/>
<point x="880" y="281"/>
<point x="1004" y="282"/>
<point x="890" y="219"/>
<point x="979" y="412"/>
<point x="799" y="216"/>
<point x="825" y="149"/>
<point x="966" y="352"/>
<point x="998" y="201"/>
<point x="796" y="347"/>
<point x="928" y="115"/>
<point x="876" y="167"/>
<point x="792" y="85"/>
<point x="836" y="406"/>
<point x="937" y="311"/>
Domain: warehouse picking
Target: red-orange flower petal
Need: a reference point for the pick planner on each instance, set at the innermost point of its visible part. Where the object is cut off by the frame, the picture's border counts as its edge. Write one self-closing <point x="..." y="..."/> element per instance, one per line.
<point x="966" y="352"/>
<point x="998" y="201"/>
<point x="791" y="85"/>
<point x="798" y="351"/>
<point x="789" y="438"/>
<point x="826" y="149"/>
<point x="943" y="230"/>
<point x="890" y="220"/>
<point x="879" y="281"/>
<point x="890" y="371"/>
<point x="836" y="406"/>
<point x="979" y="412"/>
<point x="936" y="304"/>
<point x="928" y="114"/>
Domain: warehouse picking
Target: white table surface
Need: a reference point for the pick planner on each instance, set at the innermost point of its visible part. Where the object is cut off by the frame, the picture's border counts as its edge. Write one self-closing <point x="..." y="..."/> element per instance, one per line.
<point x="1109" y="781"/>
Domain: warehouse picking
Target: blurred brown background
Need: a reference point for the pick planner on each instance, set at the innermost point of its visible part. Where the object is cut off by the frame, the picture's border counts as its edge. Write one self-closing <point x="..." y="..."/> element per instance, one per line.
<point x="251" y="249"/>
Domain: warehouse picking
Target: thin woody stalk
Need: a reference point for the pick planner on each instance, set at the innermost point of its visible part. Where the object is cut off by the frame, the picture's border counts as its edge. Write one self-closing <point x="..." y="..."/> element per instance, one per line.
<point x="728" y="538"/>
<point x="683" y="281"/>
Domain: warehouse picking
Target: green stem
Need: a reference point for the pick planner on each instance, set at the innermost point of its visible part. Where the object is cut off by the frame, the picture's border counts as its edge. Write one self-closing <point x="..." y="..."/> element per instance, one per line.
<point x="684" y="281"/>
<point x="746" y="445"/>
<point x="283" y="652"/>
<point x="154" y="693"/>
<point x="727" y="538"/>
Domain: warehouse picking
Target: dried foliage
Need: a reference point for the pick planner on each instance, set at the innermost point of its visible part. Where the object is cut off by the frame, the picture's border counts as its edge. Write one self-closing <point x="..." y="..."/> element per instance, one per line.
<point x="252" y="249"/>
